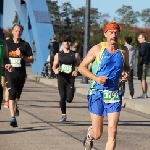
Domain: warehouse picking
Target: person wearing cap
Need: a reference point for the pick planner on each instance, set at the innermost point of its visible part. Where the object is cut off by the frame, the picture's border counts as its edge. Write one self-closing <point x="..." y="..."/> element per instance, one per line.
<point x="54" y="48"/>
<point x="104" y="98"/>
<point x="65" y="67"/>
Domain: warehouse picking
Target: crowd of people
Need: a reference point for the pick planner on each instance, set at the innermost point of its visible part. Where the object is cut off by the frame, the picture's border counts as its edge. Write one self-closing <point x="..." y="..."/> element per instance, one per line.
<point x="110" y="66"/>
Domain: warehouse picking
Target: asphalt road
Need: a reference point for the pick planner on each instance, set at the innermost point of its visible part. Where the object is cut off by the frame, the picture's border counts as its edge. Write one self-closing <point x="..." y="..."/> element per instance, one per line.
<point x="39" y="127"/>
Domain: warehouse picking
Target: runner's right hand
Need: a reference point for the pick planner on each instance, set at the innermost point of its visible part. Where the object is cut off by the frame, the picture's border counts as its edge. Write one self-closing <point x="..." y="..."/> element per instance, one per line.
<point x="101" y="79"/>
<point x="9" y="67"/>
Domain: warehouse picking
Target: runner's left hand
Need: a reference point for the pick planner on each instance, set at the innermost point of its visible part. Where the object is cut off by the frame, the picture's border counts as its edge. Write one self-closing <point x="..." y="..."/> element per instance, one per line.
<point x="74" y="73"/>
<point x="125" y="76"/>
<point x="18" y="52"/>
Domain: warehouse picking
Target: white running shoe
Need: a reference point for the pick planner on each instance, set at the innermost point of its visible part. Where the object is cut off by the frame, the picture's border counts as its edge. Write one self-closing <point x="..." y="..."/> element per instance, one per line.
<point x="143" y="96"/>
<point x="130" y="97"/>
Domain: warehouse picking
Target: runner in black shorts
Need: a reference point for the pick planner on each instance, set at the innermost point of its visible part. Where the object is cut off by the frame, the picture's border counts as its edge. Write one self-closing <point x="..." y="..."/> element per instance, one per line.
<point x="19" y="52"/>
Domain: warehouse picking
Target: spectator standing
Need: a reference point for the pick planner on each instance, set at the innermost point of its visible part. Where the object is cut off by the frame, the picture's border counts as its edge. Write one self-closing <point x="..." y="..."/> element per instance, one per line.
<point x="46" y="69"/>
<point x="131" y="49"/>
<point x="143" y="62"/>
<point x="33" y="46"/>
<point x="76" y="47"/>
<point x="54" y="48"/>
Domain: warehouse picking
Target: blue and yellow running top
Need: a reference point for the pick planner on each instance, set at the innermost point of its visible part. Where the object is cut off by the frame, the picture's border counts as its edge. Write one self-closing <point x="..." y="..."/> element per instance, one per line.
<point x="109" y="65"/>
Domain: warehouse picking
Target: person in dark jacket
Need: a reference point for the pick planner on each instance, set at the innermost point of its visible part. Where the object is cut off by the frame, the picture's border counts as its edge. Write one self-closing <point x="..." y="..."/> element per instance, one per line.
<point x="54" y="48"/>
<point x="143" y="63"/>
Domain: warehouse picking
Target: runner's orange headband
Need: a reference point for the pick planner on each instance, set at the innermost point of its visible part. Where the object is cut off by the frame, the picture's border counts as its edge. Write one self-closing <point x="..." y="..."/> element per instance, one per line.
<point x="111" y="26"/>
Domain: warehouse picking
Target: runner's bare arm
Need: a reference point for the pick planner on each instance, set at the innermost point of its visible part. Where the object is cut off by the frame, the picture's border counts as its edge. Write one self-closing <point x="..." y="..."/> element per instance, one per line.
<point x="28" y="59"/>
<point x="91" y="55"/>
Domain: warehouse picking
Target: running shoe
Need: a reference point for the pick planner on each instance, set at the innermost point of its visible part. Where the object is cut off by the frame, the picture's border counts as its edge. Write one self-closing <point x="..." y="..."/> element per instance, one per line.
<point x="13" y="122"/>
<point x="6" y="104"/>
<point x="63" y="119"/>
<point x="143" y="96"/>
<point x="130" y="97"/>
<point x="88" y="144"/>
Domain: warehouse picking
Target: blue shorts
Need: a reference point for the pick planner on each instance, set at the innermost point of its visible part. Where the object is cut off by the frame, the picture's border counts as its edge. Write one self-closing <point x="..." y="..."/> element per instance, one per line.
<point x="97" y="106"/>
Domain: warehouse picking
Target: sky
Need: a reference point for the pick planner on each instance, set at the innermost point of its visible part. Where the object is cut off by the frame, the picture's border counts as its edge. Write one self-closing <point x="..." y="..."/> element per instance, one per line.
<point x="104" y="6"/>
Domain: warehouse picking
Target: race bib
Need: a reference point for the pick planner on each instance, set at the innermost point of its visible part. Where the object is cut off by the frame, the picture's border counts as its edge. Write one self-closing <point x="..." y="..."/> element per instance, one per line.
<point x="111" y="96"/>
<point x="15" y="62"/>
<point x="66" y="68"/>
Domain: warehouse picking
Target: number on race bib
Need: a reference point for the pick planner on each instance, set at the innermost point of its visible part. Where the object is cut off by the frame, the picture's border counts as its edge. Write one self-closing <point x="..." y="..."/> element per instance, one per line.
<point x="111" y="96"/>
<point x="15" y="62"/>
<point x="66" y="68"/>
